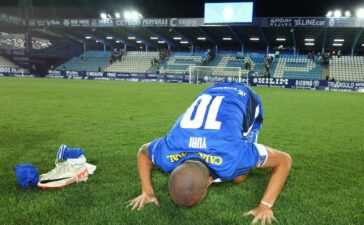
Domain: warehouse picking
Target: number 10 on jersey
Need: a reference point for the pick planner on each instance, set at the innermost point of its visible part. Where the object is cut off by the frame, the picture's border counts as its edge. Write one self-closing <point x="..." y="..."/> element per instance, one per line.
<point x="201" y="104"/>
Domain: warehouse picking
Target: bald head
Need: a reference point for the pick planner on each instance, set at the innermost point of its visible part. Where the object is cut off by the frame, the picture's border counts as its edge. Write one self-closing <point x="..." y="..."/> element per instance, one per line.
<point x="188" y="183"/>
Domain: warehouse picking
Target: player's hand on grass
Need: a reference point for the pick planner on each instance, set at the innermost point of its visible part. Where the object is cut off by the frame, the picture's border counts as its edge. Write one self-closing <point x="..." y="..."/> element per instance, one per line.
<point x="140" y="201"/>
<point x="262" y="213"/>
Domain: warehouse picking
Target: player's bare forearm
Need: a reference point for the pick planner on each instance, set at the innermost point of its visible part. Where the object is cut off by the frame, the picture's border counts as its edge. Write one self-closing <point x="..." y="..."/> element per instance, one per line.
<point x="145" y="167"/>
<point x="280" y="162"/>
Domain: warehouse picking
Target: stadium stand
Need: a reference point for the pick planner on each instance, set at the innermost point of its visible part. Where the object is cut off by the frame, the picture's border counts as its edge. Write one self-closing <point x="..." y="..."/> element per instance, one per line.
<point x="234" y="59"/>
<point x="347" y="68"/>
<point x="89" y="61"/>
<point x="179" y="62"/>
<point x="297" y="67"/>
<point x="5" y="63"/>
<point x="134" y="62"/>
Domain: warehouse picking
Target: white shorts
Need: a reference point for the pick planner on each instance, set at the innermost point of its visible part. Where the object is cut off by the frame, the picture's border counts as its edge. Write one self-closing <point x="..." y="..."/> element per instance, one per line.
<point x="263" y="155"/>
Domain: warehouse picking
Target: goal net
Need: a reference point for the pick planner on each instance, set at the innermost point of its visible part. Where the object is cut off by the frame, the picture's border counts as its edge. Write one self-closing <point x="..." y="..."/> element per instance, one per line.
<point x="215" y="74"/>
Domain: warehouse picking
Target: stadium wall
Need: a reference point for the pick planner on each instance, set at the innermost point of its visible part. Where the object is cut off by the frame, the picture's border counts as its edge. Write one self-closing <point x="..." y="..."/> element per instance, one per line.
<point x="346" y="86"/>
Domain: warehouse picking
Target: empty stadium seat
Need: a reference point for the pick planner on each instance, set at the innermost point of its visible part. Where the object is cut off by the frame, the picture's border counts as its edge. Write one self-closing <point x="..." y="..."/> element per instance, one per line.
<point x="347" y="68"/>
<point x="5" y="63"/>
<point x="89" y="61"/>
<point x="134" y="62"/>
<point x="297" y="67"/>
<point x="179" y="62"/>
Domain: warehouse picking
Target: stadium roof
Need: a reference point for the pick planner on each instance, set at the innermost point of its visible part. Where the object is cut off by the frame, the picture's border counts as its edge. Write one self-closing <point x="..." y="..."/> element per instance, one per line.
<point x="287" y="33"/>
<point x="175" y="8"/>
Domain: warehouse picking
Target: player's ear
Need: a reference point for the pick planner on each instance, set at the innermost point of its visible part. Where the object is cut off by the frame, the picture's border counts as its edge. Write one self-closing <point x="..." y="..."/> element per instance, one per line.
<point x="210" y="181"/>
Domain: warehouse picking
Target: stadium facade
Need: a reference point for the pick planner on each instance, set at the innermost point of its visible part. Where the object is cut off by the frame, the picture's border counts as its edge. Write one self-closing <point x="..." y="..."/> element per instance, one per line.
<point x="165" y="49"/>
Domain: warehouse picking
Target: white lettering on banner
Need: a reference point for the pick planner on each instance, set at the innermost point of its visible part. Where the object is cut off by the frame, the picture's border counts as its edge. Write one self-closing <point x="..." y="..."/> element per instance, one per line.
<point x="359" y="84"/>
<point x="111" y="74"/>
<point x="186" y="22"/>
<point x="66" y="23"/>
<point x="71" y="73"/>
<point x="280" y="22"/>
<point x="5" y="70"/>
<point x="270" y="81"/>
<point x="54" y="72"/>
<point x="128" y="22"/>
<point x="197" y="142"/>
<point x="84" y="23"/>
<point x="74" y="23"/>
<point x="304" y="83"/>
<point x="155" y="22"/>
<point x="309" y="22"/>
<point x="173" y="22"/>
<point x="345" y="85"/>
<point x="332" y="23"/>
<point x="95" y="74"/>
<point x="107" y="22"/>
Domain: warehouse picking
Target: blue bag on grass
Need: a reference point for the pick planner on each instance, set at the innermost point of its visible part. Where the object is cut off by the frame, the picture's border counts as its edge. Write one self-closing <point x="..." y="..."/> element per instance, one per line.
<point x="27" y="175"/>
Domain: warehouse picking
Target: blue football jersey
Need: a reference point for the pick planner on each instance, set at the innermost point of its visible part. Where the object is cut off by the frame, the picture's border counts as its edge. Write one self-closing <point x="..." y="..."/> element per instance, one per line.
<point x="215" y="129"/>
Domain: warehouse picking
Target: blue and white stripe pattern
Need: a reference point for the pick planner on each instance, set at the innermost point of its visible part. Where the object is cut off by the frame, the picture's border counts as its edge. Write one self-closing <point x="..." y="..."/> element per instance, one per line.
<point x="65" y="153"/>
<point x="61" y="151"/>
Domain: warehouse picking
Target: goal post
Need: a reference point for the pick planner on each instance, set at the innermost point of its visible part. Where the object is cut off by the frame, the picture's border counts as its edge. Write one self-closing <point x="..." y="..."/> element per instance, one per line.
<point x="215" y="74"/>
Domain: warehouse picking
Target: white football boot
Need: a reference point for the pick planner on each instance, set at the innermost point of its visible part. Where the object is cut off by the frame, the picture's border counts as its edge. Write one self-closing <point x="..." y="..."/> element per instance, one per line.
<point x="65" y="173"/>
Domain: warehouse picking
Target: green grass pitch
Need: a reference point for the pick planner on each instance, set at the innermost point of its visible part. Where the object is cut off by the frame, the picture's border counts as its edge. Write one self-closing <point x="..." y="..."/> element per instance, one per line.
<point x="323" y="132"/>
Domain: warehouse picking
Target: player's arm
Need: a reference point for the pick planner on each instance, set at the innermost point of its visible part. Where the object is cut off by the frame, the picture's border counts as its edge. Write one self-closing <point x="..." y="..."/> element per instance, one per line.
<point x="145" y="167"/>
<point x="280" y="163"/>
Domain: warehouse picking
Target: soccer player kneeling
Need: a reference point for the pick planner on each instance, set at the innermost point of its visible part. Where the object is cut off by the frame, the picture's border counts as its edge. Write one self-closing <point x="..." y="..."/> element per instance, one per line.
<point x="215" y="140"/>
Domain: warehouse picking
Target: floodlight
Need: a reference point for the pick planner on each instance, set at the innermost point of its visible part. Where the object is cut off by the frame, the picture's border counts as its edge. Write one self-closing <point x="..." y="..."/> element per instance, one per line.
<point x="177" y="38"/>
<point x="337" y="13"/>
<point x="310" y="44"/>
<point x="329" y="14"/>
<point x="360" y="13"/>
<point x="127" y="15"/>
<point x="117" y="15"/>
<point x="254" y="39"/>
<point x="227" y="38"/>
<point x="201" y="38"/>
<point x="103" y="16"/>
<point x="309" y="39"/>
<point x="347" y="14"/>
<point x="161" y="42"/>
<point x="135" y="15"/>
<point x="183" y="42"/>
<point x="153" y="38"/>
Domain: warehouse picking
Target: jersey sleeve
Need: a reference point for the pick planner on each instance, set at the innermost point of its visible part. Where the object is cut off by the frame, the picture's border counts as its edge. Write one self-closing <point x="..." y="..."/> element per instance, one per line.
<point x="155" y="152"/>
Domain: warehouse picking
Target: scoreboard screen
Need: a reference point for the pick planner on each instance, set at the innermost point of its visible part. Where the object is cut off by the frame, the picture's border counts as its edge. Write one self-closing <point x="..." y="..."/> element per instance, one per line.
<point x="229" y="12"/>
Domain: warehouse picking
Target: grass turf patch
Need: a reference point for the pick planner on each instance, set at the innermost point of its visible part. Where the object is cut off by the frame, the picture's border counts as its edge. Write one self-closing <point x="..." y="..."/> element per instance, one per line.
<point x="323" y="132"/>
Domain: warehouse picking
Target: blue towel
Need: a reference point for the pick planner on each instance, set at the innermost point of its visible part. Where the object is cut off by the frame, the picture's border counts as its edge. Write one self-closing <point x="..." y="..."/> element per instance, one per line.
<point x="65" y="153"/>
<point x="27" y="175"/>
